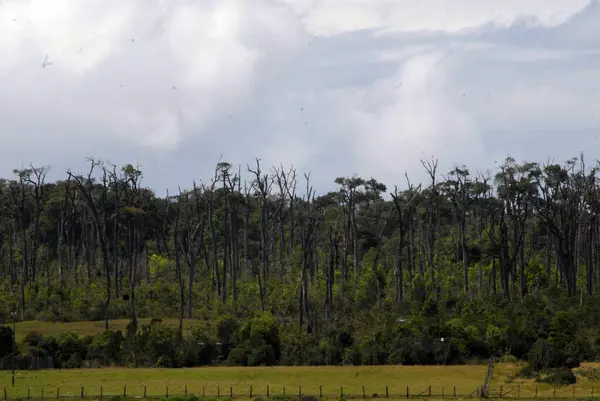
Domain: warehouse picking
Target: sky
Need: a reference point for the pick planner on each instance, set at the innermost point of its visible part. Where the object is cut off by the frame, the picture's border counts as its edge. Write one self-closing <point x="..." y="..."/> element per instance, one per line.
<point x="331" y="87"/>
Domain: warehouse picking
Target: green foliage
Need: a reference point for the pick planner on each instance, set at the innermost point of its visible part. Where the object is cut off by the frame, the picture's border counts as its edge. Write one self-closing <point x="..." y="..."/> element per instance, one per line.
<point x="559" y="376"/>
<point x="436" y="275"/>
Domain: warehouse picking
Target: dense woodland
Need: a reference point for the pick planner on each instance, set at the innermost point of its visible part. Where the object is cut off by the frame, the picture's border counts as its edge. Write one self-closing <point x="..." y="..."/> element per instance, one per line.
<point x="462" y="267"/>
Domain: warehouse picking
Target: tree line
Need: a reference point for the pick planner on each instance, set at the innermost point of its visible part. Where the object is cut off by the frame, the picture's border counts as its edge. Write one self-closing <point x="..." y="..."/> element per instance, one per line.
<point x="463" y="249"/>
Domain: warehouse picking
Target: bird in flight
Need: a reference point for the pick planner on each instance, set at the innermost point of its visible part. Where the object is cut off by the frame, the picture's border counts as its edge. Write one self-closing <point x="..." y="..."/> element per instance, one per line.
<point x="46" y="63"/>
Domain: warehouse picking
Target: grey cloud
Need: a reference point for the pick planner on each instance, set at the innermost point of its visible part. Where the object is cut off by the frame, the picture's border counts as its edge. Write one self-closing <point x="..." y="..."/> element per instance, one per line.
<point x="362" y="102"/>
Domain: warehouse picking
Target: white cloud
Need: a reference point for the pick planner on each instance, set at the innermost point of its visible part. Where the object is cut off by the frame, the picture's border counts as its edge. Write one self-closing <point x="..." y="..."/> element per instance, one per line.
<point x="326" y="17"/>
<point x="367" y="88"/>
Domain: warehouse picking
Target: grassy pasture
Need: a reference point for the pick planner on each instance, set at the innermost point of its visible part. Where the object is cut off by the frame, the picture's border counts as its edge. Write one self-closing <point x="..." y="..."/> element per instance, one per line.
<point x="374" y="378"/>
<point x="351" y="378"/>
<point x="86" y="328"/>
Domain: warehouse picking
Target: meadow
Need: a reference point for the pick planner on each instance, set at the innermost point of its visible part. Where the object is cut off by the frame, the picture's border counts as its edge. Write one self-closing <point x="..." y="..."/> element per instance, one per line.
<point x="88" y="328"/>
<point x="222" y="380"/>
<point x="239" y="381"/>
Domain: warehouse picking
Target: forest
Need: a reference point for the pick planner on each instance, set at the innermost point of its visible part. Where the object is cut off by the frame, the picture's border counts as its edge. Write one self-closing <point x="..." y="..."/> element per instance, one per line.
<point x="460" y="268"/>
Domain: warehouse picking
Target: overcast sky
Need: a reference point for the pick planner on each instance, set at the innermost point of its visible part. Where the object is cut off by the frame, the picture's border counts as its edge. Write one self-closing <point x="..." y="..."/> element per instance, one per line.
<point x="333" y="87"/>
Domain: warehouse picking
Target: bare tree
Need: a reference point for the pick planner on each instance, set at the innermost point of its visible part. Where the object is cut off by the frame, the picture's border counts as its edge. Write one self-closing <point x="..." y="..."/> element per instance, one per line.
<point x="405" y="210"/>
<point x="85" y="186"/>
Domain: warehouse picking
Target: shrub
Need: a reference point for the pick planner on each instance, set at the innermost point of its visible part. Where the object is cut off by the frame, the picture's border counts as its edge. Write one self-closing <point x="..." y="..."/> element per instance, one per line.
<point x="559" y="377"/>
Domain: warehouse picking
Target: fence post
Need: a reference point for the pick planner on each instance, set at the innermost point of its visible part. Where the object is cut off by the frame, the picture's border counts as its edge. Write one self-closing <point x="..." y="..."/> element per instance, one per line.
<point x="144" y="391"/>
<point x="82" y="391"/>
<point x="407" y="391"/>
<point x="267" y="391"/>
<point x="430" y="391"/>
<point x="387" y="393"/>
<point x="284" y="391"/>
<point x="363" y="389"/>
<point x="454" y="390"/>
<point x="5" y="393"/>
<point x="185" y="389"/>
<point x="341" y="392"/>
<point x="320" y="391"/>
<point x="554" y="392"/>
<point x="125" y="391"/>
<point x="300" y="392"/>
<point x="101" y="392"/>
<point x="167" y="391"/>
<point x="251" y="391"/>
<point x="203" y="391"/>
<point x="230" y="392"/>
<point x="57" y="392"/>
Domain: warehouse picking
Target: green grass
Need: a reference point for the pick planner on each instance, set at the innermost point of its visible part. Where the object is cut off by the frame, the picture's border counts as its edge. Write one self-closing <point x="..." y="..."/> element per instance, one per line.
<point x="373" y="378"/>
<point x="88" y="328"/>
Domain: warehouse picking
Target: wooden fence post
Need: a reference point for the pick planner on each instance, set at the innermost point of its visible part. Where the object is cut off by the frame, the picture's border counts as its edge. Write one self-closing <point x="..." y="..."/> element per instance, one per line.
<point x="57" y="392"/>
<point x="363" y="389"/>
<point x="454" y="390"/>
<point x="430" y="391"/>
<point x="320" y="391"/>
<point x="407" y="392"/>
<point x="267" y="391"/>
<point x="387" y="393"/>
<point x="218" y="391"/>
<point x="5" y="396"/>
<point x="82" y="391"/>
<point x="125" y="391"/>
<point x="554" y="392"/>
<point x="185" y="389"/>
<point x="167" y="391"/>
<point x="300" y="392"/>
<point x="284" y="391"/>
<point x="341" y="392"/>
<point x="102" y="391"/>
<point x="230" y="392"/>
<point x="251" y="391"/>
<point x="203" y="391"/>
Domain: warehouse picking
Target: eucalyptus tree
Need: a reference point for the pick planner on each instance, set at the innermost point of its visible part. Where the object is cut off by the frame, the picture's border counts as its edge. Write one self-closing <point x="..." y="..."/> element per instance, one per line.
<point x="404" y="203"/>
<point x="97" y="204"/>
<point x="517" y="189"/>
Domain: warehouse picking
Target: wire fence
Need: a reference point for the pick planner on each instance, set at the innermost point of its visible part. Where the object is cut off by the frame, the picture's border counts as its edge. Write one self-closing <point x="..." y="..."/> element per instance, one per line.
<point x="228" y="392"/>
<point x="299" y="393"/>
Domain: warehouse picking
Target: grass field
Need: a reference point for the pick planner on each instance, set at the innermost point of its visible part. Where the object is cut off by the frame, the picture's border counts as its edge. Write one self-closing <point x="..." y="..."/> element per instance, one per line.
<point x="88" y="328"/>
<point x="374" y="378"/>
<point x="221" y="379"/>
